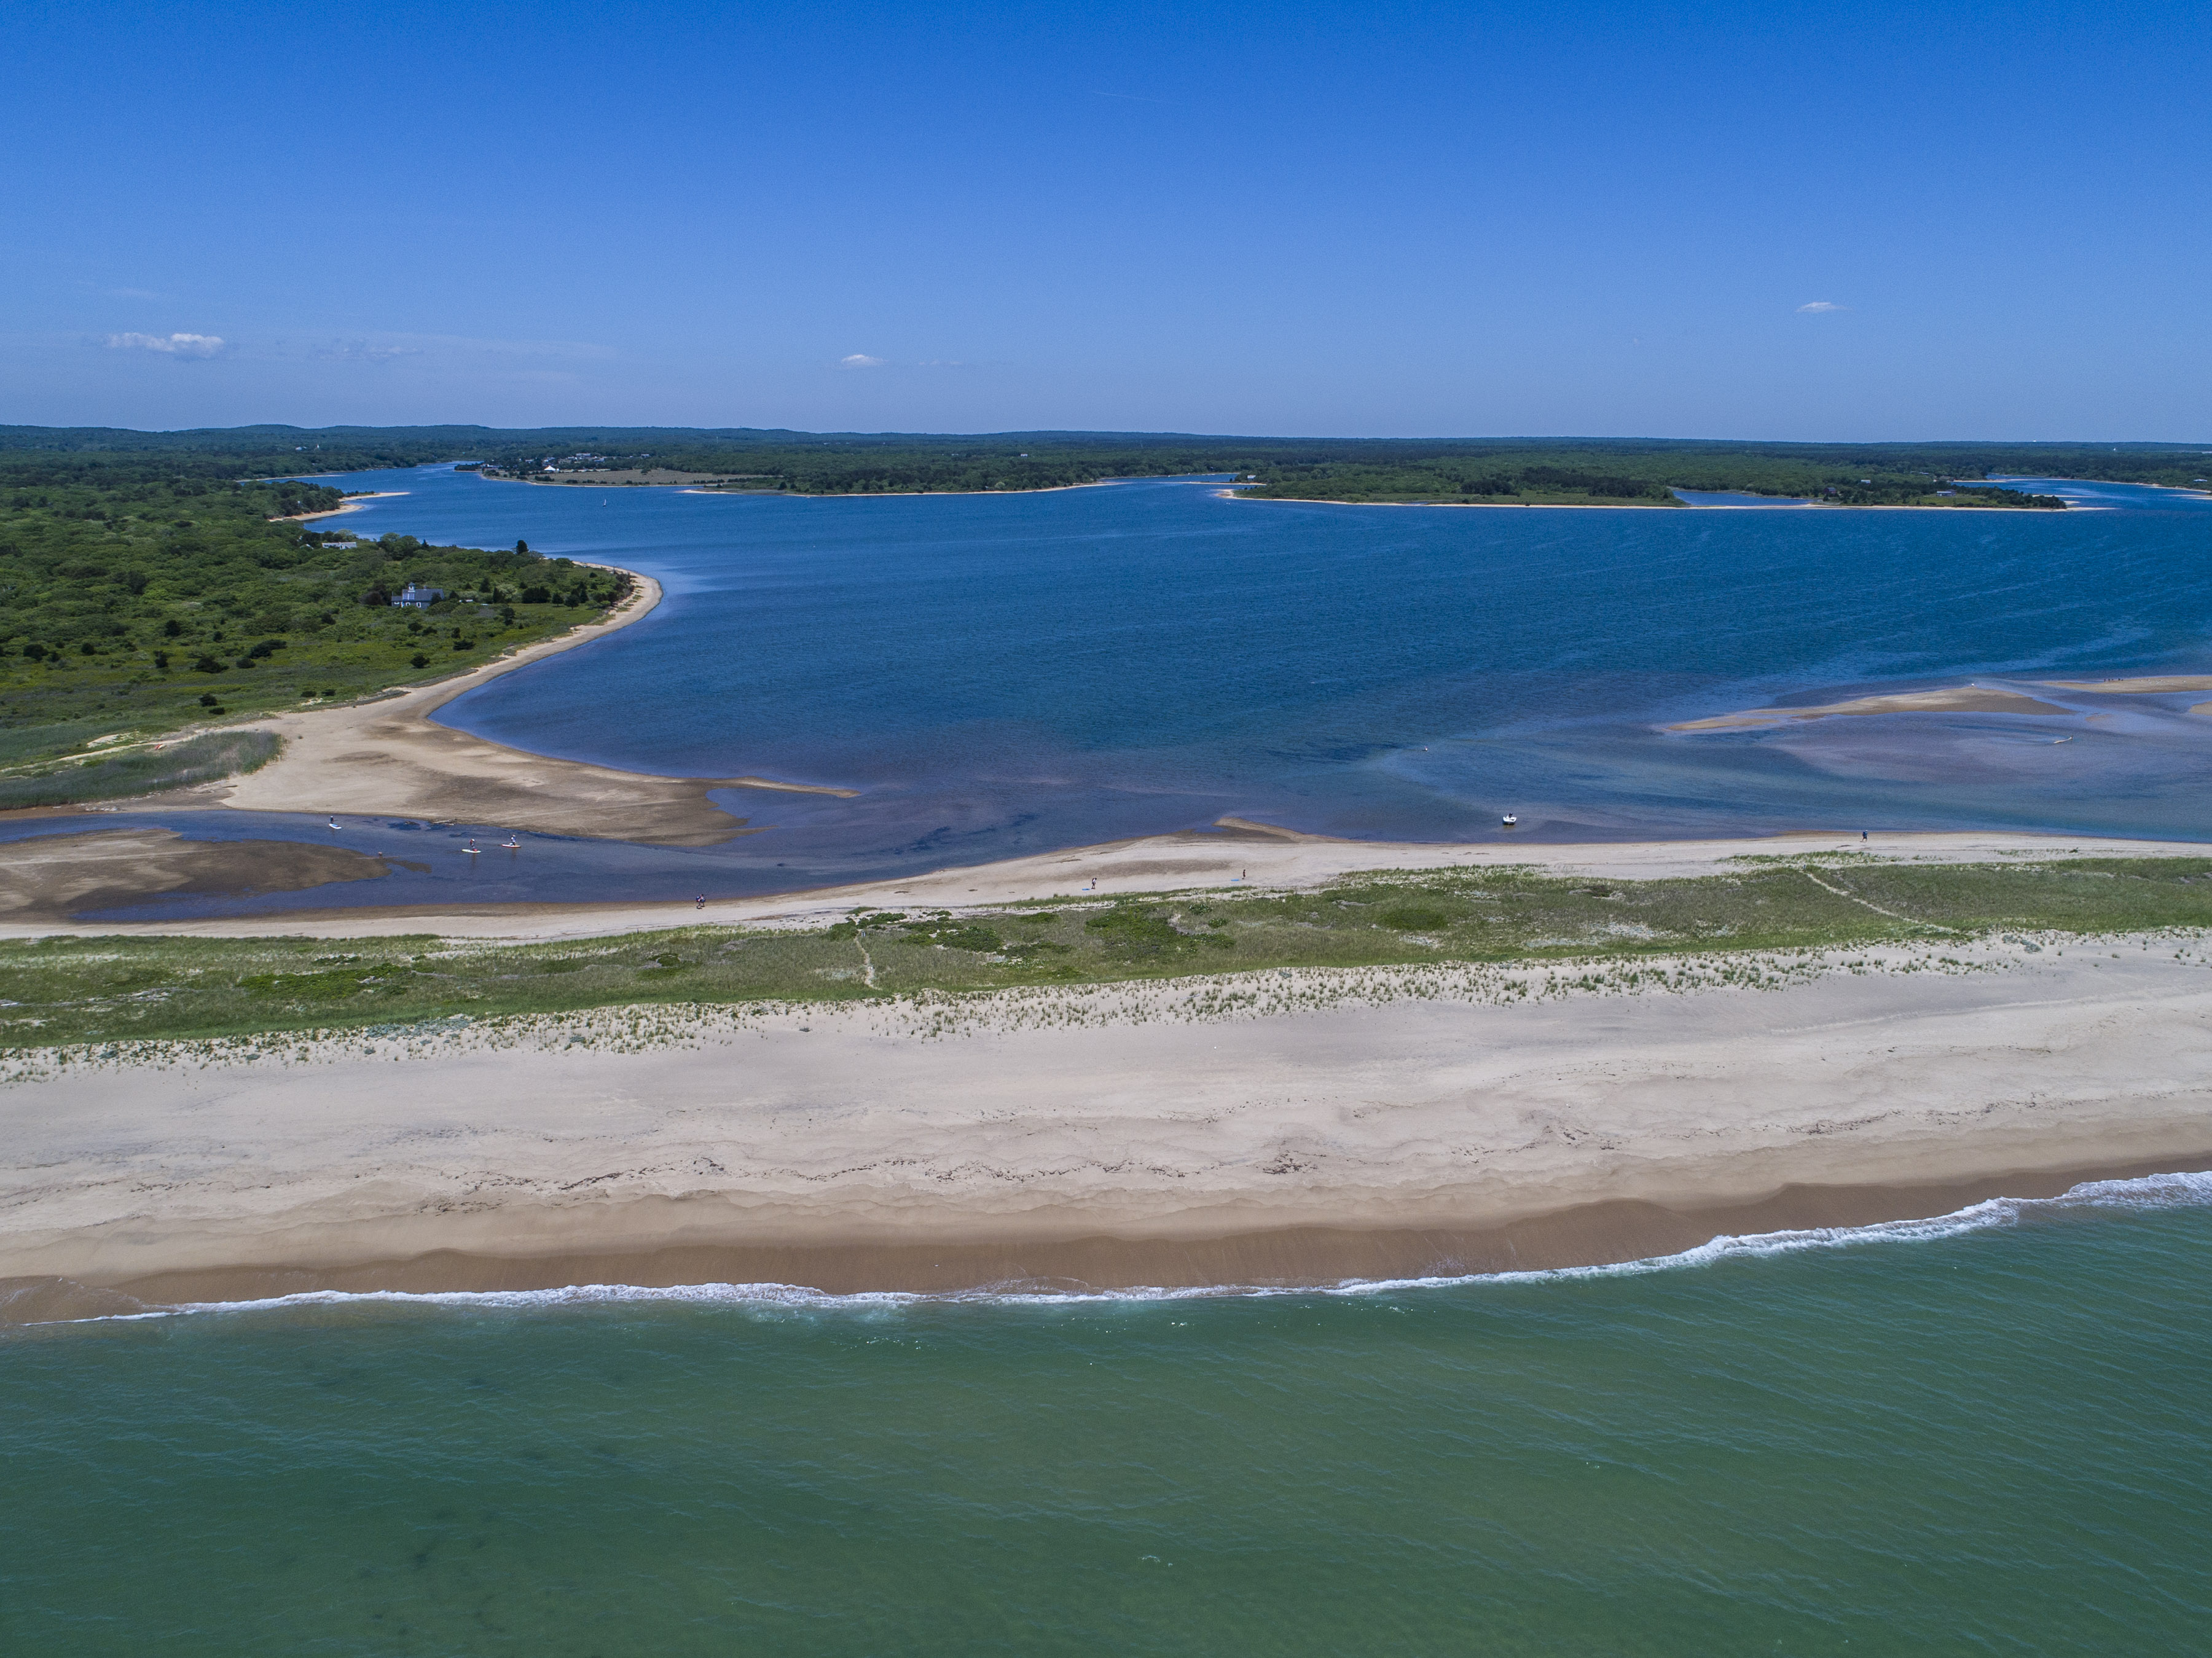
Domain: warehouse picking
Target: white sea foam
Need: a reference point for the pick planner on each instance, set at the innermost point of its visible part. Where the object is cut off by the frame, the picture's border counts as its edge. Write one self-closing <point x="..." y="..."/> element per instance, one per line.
<point x="2148" y="1193"/>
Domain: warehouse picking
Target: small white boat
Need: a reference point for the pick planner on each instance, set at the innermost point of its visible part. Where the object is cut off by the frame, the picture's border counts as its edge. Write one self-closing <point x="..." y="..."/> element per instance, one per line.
<point x="1508" y="820"/>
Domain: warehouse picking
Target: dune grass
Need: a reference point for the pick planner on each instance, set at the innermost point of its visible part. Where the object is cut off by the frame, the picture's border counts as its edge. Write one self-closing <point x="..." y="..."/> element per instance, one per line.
<point x="73" y="990"/>
<point x="143" y="769"/>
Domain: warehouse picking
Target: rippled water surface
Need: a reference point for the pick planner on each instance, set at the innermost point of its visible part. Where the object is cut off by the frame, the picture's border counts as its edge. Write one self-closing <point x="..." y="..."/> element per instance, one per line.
<point x="1003" y="675"/>
<point x="1992" y="1442"/>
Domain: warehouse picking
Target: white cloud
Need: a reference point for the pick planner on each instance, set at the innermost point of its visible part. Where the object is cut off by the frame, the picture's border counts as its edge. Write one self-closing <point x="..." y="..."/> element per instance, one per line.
<point x="860" y="360"/>
<point x="174" y="345"/>
<point x="1818" y="306"/>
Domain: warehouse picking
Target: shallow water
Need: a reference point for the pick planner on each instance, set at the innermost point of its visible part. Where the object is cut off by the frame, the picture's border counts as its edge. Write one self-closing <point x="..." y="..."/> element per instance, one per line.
<point x="1001" y="674"/>
<point x="1988" y="1438"/>
<point x="1005" y="674"/>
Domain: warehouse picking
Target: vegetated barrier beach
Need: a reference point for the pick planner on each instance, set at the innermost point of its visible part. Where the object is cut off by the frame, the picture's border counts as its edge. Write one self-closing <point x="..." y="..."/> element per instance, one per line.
<point x="1401" y="1073"/>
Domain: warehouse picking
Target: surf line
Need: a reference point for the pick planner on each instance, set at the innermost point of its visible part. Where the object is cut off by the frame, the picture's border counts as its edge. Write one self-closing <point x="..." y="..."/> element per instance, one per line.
<point x="2186" y="1189"/>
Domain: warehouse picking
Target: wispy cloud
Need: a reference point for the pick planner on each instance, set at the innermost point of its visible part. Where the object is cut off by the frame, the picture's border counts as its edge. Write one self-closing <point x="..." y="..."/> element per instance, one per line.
<point x="1818" y="306"/>
<point x="136" y="294"/>
<point x="861" y="360"/>
<point x="940" y="362"/>
<point x="173" y="345"/>
<point x="361" y="351"/>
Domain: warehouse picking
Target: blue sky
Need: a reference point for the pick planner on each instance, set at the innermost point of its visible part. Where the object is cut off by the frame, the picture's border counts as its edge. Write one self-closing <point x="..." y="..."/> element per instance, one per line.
<point x="1759" y="222"/>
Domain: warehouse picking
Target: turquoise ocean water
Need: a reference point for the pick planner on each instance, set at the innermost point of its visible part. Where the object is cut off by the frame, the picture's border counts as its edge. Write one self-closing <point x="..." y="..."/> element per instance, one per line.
<point x="1988" y="1436"/>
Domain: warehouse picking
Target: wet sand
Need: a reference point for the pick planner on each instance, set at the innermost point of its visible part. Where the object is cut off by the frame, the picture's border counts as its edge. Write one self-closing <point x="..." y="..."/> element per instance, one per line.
<point x="1963" y="699"/>
<point x="1117" y="1136"/>
<point x="1592" y="1234"/>
<point x="47" y="881"/>
<point x="2143" y="685"/>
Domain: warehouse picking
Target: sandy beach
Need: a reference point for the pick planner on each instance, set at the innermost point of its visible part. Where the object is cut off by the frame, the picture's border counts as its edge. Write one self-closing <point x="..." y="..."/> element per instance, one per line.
<point x="387" y="756"/>
<point x="353" y="504"/>
<point x="1336" y="1123"/>
<point x="48" y="873"/>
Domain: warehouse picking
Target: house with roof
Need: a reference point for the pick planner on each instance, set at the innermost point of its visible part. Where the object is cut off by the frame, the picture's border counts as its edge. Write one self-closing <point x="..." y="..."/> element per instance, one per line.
<point x="414" y="597"/>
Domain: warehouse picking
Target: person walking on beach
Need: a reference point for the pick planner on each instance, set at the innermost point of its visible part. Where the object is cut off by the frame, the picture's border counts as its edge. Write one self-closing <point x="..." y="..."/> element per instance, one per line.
<point x="702" y="901"/>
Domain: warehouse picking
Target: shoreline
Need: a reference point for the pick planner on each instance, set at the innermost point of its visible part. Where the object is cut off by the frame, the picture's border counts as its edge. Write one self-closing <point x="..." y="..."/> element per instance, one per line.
<point x="801" y="495"/>
<point x="1238" y="857"/>
<point x="1419" y="1124"/>
<point x="353" y="504"/>
<point x="1781" y="504"/>
<point x="1623" y="1232"/>
<point x="387" y="756"/>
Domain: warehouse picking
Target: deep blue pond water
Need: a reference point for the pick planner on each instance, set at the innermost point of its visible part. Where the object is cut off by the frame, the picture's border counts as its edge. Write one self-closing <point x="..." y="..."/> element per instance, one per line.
<point x="1000" y="675"/>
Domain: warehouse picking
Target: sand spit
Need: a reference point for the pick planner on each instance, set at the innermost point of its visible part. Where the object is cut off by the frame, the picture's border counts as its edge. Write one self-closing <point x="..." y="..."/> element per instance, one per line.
<point x="2145" y="685"/>
<point x="1297" y="1126"/>
<point x="1962" y="699"/>
<point x="353" y="504"/>
<point x="387" y="757"/>
<point x="1253" y="857"/>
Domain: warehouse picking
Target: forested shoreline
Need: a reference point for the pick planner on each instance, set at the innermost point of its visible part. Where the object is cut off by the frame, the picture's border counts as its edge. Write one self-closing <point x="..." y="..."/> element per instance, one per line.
<point x="143" y="591"/>
<point x="1643" y="471"/>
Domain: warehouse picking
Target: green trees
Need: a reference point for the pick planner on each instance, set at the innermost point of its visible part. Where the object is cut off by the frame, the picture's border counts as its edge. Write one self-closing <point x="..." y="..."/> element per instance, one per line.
<point x="126" y="587"/>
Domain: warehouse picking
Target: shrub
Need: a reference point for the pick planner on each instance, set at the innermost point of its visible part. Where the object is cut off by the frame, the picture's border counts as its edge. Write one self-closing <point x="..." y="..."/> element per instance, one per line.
<point x="1414" y="918"/>
<point x="180" y="765"/>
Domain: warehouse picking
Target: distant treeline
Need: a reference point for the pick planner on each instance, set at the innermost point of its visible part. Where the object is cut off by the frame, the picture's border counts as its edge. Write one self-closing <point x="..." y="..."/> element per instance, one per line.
<point x="1633" y="478"/>
<point x="1627" y="470"/>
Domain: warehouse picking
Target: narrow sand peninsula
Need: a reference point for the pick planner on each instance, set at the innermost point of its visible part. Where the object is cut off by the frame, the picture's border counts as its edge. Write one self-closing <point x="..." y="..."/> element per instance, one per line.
<point x="1246" y="856"/>
<point x="1319" y="1124"/>
<point x="353" y="504"/>
<point x="388" y="758"/>
<point x="2144" y="685"/>
<point x="1963" y="699"/>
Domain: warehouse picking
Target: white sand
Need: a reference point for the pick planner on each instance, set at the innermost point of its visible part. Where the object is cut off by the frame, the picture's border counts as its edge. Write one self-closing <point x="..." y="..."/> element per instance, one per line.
<point x="1130" y="1115"/>
<point x="1161" y="863"/>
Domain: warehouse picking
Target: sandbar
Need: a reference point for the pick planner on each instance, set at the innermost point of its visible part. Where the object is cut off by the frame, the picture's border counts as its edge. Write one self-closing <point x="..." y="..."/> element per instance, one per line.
<point x="2144" y="685"/>
<point x="1962" y="699"/>
<point x="46" y="880"/>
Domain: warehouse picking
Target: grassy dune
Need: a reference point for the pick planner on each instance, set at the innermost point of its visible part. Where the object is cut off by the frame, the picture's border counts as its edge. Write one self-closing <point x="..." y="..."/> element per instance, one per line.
<point x="140" y="768"/>
<point x="70" y="990"/>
